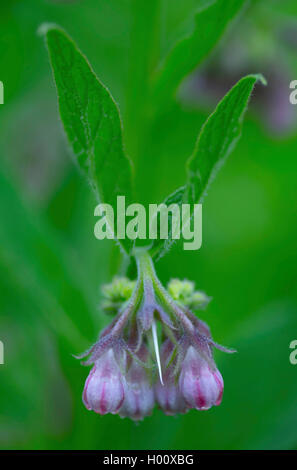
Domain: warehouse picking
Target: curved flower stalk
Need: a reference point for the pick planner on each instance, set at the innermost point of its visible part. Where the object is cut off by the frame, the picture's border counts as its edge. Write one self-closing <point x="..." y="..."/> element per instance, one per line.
<point x="130" y="373"/>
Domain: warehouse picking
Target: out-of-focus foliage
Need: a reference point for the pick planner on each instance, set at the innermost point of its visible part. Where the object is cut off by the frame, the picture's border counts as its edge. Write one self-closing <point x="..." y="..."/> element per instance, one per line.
<point x="210" y="20"/>
<point x="52" y="265"/>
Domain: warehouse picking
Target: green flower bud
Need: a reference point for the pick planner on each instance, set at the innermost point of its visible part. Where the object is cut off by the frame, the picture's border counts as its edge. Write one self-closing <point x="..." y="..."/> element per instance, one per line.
<point x="116" y="293"/>
<point x="180" y="290"/>
<point x="199" y="300"/>
<point x="184" y="293"/>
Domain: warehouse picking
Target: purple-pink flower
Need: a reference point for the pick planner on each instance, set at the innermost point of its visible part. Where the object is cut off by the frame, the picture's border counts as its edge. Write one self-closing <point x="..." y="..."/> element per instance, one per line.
<point x="139" y="395"/>
<point x="104" y="387"/>
<point x="200" y="385"/>
<point x="130" y="375"/>
<point x="168" y="395"/>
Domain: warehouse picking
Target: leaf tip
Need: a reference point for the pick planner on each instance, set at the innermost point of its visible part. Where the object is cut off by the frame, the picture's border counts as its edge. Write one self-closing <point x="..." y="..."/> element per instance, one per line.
<point x="261" y="79"/>
<point x="44" y="28"/>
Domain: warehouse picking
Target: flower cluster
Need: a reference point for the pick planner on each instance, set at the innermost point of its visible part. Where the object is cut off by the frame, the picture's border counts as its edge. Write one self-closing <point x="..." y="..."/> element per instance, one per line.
<point x="130" y="374"/>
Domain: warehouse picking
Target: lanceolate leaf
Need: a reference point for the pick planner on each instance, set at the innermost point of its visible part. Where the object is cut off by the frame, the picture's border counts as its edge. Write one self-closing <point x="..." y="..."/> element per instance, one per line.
<point x="216" y="140"/>
<point x="159" y="246"/>
<point x="91" y="120"/>
<point x="210" y="23"/>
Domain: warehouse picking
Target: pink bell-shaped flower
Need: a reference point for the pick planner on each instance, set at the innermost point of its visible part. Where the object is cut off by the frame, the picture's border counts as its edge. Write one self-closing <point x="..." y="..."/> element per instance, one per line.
<point x="167" y="393"/>
<point x="104" y="387"/>
<point x="139" y="396"/>
<point x="200" y="386"/>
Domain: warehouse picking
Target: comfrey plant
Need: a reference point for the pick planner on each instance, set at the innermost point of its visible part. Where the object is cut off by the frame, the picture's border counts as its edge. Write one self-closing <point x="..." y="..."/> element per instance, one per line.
<point x="155" y="350"/>
<point x="124" y="379"/>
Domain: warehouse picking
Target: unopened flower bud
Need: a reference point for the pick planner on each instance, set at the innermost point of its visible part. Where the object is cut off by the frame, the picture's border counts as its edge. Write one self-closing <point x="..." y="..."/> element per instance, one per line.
<point x="200" y="386"/>
<point x="180" y="290"/>
<point x="198" y="300"/>
<point x="167" y="393"/>
<point x="104" y="388"/>
<point x="116" y="293"/>
<point x="139" y="396"/>
<point x="169" y="398"/>
<point x="184" y="293"/>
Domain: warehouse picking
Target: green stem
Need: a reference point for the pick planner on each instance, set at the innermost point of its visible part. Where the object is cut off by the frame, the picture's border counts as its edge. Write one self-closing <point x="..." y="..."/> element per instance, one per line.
<point x="146" y="270"/>
<point x="145" y="265"/>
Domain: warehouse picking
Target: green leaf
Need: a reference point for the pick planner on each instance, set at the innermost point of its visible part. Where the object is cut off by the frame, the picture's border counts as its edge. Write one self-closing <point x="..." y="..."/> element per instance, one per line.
<point x="215" y="142"/>
<point x="159" y="246"/>
<point x="91" y="121"/>
<point x="210" y="24"/>
<point x="218" y="138"/>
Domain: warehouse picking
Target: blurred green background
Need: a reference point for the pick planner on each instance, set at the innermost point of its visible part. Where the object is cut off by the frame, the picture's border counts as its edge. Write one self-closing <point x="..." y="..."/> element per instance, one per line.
<point x="51" y="265"/>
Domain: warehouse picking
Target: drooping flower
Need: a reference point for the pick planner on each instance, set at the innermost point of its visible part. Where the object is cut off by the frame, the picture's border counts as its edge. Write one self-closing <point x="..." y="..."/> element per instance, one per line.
<point x="139" y="395"/>
<point x="168" y="395"/>
<point x="104" y="387"/>
<point x="200" y="386"/>
<point x="129" y="374"/>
